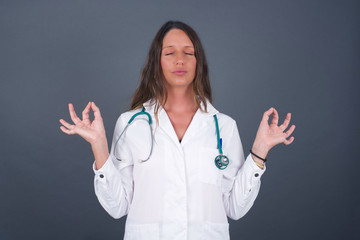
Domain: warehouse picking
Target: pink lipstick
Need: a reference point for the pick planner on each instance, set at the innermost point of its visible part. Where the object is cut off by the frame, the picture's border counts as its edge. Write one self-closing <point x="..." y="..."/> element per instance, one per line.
<point x="179" y="72"/>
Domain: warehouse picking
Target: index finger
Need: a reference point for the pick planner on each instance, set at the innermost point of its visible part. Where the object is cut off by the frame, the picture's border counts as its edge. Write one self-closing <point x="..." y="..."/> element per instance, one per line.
<point x="275" y="118"/>
<point x="97" y="114"/>
<point x="73" y="115"/>
<point x="267" y="114"/>
<point x="85" y="113"/>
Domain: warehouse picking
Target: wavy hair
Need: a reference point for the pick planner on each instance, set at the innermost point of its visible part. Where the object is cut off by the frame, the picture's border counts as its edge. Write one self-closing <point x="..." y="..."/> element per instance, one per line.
<point x="152" y="81"/>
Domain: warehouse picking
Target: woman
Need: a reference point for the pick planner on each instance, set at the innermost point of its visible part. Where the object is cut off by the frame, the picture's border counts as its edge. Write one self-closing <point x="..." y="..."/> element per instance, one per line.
<point x="171" y="183"/>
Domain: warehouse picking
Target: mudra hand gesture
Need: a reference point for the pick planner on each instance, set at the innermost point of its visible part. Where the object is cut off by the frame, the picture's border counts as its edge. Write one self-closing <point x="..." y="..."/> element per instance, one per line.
<point x="90" y="131"/>
<point x="271" y="135"/>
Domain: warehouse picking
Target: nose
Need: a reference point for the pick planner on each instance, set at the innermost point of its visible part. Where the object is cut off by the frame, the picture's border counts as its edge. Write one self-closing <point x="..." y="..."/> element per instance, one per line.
<point x="179" y="62"/>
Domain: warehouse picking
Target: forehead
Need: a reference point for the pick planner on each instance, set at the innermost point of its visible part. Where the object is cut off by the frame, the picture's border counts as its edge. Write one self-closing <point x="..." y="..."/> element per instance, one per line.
<point x="177" y="37"/>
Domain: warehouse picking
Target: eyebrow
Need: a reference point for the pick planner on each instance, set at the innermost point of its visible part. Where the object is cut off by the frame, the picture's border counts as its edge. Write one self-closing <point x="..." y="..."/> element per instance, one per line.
<point x="188" y="46"/>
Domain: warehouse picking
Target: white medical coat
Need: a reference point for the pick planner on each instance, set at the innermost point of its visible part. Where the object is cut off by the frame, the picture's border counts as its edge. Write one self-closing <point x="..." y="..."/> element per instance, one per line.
<point x="178" y="193"/>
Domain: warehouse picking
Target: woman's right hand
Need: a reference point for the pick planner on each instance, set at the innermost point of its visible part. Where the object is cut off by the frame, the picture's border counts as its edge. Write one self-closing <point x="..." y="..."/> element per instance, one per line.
<point x="93" y="132"/>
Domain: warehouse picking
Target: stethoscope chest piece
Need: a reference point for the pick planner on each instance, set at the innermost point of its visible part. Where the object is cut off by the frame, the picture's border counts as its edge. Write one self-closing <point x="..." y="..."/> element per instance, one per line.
<point x="221" y="161"/>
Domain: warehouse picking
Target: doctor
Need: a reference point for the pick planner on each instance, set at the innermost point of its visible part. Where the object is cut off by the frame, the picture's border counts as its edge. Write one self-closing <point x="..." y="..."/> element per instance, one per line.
<point x="179" y="192"/>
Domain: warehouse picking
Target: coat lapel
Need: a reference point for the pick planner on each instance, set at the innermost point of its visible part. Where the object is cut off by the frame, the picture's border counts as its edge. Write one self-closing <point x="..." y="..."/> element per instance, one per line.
<point x="199" y="122"/>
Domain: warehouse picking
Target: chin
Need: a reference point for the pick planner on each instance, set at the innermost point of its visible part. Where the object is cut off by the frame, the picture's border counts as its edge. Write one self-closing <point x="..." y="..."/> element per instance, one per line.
<point x="179" y="84"/>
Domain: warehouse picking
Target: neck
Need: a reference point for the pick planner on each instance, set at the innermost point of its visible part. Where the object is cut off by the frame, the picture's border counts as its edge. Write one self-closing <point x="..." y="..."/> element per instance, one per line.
<point x="180" y="100"/>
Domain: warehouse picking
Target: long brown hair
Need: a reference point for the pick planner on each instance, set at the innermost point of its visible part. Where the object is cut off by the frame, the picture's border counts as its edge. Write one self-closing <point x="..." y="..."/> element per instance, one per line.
<point x="152" y="82"/>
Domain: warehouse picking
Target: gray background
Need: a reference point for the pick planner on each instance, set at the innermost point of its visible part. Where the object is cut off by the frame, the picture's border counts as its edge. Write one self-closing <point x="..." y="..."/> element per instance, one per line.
<point x="298" y="56"/>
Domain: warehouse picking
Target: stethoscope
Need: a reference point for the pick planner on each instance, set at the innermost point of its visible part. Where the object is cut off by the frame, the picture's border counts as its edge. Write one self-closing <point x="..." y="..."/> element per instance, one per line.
<point x="221" y="161"/>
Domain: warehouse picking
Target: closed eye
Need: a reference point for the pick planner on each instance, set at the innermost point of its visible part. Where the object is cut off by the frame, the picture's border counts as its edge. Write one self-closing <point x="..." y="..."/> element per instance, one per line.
<point x="166" y="54"/>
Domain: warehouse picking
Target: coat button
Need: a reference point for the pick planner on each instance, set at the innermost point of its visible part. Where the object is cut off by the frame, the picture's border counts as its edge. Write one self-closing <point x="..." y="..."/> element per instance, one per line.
<point x="102" y="176"/>
<point x="256" y="174"/>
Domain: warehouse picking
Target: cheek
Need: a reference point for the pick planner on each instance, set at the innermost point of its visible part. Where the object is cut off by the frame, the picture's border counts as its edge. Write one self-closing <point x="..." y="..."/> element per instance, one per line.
<point x="194" y="65"/>
<point x="163" y="65"/>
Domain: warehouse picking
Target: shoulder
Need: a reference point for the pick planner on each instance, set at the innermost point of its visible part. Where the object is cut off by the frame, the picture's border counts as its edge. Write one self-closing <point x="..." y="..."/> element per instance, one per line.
<point x="225" y="118"/>
<point x="124" y="117"/>
<point x="211" y="111"/>
<point x="226" y="123"/>
<point x="228" y="127"/>
<point x="130" y="113"/>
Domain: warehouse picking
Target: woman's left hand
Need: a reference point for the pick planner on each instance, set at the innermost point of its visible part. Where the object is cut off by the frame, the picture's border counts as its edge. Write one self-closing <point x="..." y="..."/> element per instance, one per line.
<point x="271" y="135"/>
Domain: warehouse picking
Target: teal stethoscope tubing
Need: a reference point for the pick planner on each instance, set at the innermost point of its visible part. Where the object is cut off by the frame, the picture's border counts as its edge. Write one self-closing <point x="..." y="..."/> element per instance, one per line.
<point x="132" y="119"/>
<point x="221" y="161"/>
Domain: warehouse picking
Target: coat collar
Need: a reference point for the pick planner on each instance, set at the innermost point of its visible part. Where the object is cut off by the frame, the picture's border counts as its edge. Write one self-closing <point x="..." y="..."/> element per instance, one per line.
<point x="200" y="121"/>
<point x="211" y="110"/>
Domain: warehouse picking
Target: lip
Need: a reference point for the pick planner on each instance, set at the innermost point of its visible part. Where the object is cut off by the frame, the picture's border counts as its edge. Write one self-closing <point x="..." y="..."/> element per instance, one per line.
<point x="179" y="72"/>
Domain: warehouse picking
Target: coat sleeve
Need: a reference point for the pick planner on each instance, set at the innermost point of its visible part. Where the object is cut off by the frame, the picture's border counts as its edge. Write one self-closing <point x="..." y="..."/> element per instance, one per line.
<point x="241" y="179"/>
<point x="113" y="182"/>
